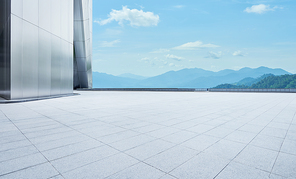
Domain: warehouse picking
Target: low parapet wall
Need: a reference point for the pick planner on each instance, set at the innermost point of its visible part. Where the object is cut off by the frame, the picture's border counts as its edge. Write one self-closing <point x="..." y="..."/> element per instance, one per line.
<point x="145" y="89"/>
<point x="193" y="90"/>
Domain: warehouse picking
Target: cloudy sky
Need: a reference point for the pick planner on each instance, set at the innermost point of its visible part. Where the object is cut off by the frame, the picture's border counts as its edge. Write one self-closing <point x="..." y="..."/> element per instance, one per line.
<point x="150" y="37"/>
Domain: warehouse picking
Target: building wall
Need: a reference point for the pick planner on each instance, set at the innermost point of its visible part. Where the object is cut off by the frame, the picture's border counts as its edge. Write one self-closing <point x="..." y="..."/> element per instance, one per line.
<point x="41" y="48"/>
<point x="5" y="49"/>
<point x="82" y="43"/>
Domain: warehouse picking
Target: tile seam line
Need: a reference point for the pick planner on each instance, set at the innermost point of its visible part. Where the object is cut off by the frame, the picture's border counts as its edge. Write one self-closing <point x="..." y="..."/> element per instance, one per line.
<point x="199" y="152"/>
<point x="119" y="151"/>
<point x="282" y="144"/>
<point x="255" y="137"/>
<point x="35" y="148"/>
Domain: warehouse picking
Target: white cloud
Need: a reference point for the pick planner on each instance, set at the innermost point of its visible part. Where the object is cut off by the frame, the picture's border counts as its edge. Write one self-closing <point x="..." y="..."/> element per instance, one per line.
<point x="260" y="9"/>
<point x="238" y="53"/>
<point x="161" y="51"/>
<point x="109" y="44"/>
<point x="214" y="55"/>
<point x="174" y="57"/>
<point x="172" y="65"/>
<point x="194" y="45"/>
<point x="134" y="16"/>
<point x="146" y="59"/>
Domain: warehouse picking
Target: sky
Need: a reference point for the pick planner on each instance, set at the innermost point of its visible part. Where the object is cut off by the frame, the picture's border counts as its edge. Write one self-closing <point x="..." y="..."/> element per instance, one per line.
<point x="151" y="37"/>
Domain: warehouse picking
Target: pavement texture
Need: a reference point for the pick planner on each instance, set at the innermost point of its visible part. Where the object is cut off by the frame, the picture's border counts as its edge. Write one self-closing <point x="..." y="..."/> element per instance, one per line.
<point x="165" y="135"/>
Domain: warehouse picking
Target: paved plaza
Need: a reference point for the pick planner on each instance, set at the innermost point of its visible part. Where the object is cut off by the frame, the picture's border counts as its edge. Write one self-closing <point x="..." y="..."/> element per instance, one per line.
<point x="167" y="135"/>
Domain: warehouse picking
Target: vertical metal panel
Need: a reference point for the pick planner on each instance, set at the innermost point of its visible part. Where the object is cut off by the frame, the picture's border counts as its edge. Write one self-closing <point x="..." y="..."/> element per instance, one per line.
<point x="45" y="14"/>
<point x="70" y="21"/>
<point x="70" y="69"/>
<point x="16" y="57"/>
<point x="30" y="11"/>
<point x="63" y="66"/>
<point x="85" y="9"/>
<point x="81" y="62"/>
<point x="77" y="10"/>
<point x="44" y="63"/>
<point x="64" y="19"/>
<point x="5" y="62"/>
<point x="55" y="65"/>
<point x="82" y="42"/>
<point x="78" y="31"/>
<point x="89" y="78"/>
<point x="80" y="49"/>
<point x="30" y="60"/>
<point x="55" y="17"/>
<point x="17" y="7"/>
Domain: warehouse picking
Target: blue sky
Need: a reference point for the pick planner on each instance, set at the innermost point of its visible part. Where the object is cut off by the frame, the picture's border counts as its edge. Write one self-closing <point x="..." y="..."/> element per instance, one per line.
<point x="150" y="37"/>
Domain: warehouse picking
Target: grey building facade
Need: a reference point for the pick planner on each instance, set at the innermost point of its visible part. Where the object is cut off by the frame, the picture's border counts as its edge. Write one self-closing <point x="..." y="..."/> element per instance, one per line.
<point x="37" y="47"/>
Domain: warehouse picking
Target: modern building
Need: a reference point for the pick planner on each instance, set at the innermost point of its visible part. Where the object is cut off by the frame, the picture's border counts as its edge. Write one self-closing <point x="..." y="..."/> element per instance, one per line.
<point x="45" y="47"/>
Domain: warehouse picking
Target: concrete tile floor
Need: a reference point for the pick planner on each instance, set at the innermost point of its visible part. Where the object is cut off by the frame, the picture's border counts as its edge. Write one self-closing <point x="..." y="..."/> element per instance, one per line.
<point x="150" y="135"/>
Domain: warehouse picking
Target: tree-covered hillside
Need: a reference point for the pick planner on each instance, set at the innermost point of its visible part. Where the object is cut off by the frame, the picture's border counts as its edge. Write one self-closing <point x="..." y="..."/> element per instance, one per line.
<point x="283" y="81"/>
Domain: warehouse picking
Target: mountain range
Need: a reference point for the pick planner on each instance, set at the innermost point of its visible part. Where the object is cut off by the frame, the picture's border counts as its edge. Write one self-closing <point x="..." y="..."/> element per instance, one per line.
<point x="185" y="78"/>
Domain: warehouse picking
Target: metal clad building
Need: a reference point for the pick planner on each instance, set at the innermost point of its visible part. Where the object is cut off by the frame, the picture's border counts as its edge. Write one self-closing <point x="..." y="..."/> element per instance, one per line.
<point x="36" y="47"/>
<point x="82" y="44"/>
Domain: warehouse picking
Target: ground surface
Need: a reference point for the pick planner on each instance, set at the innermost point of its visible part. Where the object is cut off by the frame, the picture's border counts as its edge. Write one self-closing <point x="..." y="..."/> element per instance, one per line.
<point x="150" y="135"/>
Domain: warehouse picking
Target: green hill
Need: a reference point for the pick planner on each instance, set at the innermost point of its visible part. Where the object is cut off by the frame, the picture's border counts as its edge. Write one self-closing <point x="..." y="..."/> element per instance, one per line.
<point x="267" y="81"/>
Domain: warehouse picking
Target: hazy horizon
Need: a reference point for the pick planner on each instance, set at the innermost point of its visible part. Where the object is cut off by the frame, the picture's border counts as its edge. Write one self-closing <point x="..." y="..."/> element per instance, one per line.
<point x="190" y="68"/>
<point x="149" y="38"/>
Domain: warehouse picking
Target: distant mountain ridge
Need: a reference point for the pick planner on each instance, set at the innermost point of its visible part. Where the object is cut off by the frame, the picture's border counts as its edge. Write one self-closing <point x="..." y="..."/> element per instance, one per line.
<point x="132" y="76"/>
<point x="185" y="78"/>
<point x="265" y="81"/>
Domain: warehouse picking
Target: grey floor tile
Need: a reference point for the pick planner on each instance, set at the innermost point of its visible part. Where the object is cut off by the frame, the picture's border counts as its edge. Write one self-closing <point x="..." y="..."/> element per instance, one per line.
<point x="103" y="168"/>
<point x="202" y="166"/>
<point x="268" y="142"/>
<point x="225" y="149"/>
<point x="201" y="142"/>
<point x="149" y="149"/>
<point x="257" y="157"/>
<point x="132" y="142"/>
<point x="241" y="136"/>
<point x="279" y="125"/>
<point x="179" y="137"/>
<point x="168" y="177"/>
<point x="251" y="128"/>
<point x="160" y="133"/>
<point x="172" y="158"/>
<point x="274" y="176"/>
<point x="275" y="132"/>
<point x="71" y="149"/>
<point x="83" y="158"/>
<point x="185" y="125"/>
<point x="9" y="139"/>
<point x="61" y="142"/>
<point x="201" y="128"/>
<point x="237" y="170"/>
<point x="291" y="135"/>
<point x="285" y="165"/>
<point x="136" y="171"/>
<point x="220" y="132"/>
<point x="57" y="177"/>
<point x="289" y="146"/>
<point x="21" y="163"/>
<point x="149" y="128"/>
<point x="118" y="136"/>
<point x="40" y="171"/>
<point x="17" y="152"/>
<point x="14" y="145"/>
